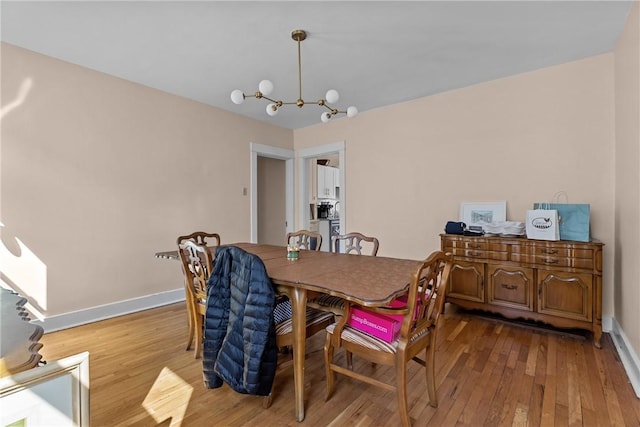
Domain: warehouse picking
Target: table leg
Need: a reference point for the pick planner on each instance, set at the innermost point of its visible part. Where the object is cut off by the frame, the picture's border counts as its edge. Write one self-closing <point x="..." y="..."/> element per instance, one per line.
<point x="299" y="312"/>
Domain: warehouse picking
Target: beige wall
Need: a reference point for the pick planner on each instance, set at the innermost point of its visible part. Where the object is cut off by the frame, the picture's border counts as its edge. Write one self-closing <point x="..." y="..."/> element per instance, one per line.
<point x="518" y="139"/>
<point x="99" y="173"/>
<point x="627" y="175"/>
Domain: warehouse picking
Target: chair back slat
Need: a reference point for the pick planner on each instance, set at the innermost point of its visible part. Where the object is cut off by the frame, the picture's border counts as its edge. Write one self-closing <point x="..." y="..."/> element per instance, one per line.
<point x="305" y="239"/>
<point x="352" y="242"/>
<point x="196" y="265"/>
<point x="210" y="240"/>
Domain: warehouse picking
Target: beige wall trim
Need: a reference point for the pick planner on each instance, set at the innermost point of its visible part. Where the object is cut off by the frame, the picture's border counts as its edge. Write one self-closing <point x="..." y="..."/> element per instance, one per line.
<point x="107" y="311"/>
<point x="629" y="358"/>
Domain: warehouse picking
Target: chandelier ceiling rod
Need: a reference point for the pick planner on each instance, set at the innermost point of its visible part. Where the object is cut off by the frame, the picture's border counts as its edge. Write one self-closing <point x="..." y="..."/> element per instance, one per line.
<point x="266" y="87"/>
<point x="298" y="36"/>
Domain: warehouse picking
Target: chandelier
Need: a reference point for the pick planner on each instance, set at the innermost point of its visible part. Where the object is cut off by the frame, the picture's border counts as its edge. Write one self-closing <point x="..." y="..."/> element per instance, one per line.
<point x="266" y="87"/>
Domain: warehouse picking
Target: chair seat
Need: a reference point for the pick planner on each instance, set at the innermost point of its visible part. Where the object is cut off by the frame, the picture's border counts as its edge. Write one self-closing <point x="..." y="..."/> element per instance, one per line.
<point x="284" y="324"/>
<point x="362" y="338"/>
<point x="327" y="301"/>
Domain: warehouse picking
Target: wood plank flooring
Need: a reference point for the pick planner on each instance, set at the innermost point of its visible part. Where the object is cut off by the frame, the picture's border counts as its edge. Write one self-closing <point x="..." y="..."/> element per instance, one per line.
<point x="489" y="373"/>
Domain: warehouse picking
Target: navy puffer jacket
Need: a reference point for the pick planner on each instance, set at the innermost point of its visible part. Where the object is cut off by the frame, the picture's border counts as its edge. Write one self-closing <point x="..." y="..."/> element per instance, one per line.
<point x="239" y="331"/>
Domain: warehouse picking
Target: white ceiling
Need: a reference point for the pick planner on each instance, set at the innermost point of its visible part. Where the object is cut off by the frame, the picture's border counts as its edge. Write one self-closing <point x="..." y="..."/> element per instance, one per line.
<point x="374" y="53"/>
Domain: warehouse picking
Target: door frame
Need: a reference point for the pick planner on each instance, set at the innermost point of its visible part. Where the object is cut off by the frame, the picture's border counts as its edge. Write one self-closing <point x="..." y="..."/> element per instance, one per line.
<point x="261" y="150"/>
<point x="303" y="155"/>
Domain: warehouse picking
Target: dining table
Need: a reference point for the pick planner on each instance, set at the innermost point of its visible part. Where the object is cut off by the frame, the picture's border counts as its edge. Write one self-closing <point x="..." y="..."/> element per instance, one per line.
<point x="370" y="281"/>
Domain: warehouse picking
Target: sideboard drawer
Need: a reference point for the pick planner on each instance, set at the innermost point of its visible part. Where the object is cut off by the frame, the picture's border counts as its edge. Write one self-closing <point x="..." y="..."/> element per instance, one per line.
<point x="470" y="253"/>
<point x="457" y="243"/>
<point x="564" y="252"/>
<point x="555" y="261"/>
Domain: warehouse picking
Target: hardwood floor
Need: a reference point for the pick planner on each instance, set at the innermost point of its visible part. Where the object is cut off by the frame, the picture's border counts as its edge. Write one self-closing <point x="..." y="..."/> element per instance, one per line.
<point x="489" y="372"/>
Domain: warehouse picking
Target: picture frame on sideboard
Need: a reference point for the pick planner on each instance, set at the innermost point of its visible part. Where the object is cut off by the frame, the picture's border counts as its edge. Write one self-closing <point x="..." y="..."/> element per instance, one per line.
<point x="479" y="213"/>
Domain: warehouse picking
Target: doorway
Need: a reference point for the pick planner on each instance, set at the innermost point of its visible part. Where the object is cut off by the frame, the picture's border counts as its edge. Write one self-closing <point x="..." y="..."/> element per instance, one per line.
<point x="283" y="154"/>
<point x="305" y="157"/>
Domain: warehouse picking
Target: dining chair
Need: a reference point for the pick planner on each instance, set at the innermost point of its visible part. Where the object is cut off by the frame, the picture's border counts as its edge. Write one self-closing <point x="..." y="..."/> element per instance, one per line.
<point x="305" y="239"/>
<point x="210" y="241"/>
<point x="196" y="266"/>
<point x="419" y="324"/>
<point x="355" y="243"/>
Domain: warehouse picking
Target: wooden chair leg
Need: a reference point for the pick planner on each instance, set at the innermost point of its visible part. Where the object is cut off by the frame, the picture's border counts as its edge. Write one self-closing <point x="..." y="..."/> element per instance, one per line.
<point x="198" y="325"/>
<point x="401" y="392"/>
<point x="267" y="400"/>
<point x="192" y="328"/>
<point x="430" y="369"/>
<point x="328" y="360"/>
<point x="349" y="356"/>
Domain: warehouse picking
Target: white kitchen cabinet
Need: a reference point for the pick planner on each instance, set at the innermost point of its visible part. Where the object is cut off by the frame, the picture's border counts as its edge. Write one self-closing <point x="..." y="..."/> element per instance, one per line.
<point x="328" y="179"/>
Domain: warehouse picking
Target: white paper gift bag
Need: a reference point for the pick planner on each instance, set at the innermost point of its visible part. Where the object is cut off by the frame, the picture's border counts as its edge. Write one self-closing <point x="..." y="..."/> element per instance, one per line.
<point x="542" y="224"/>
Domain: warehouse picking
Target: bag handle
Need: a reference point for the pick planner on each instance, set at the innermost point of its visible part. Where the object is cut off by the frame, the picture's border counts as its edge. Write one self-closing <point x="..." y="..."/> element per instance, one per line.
<point x="556" y="197"/>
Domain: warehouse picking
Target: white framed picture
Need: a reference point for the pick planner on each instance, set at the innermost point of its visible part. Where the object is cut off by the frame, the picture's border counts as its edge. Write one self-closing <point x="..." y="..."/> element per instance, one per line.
<point x="481" y="213"/>
<point x="54" y="394"/>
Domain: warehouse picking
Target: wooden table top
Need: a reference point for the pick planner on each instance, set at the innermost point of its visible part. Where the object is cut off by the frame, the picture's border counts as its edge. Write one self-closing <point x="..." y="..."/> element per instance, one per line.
<point x="366" y="280"/>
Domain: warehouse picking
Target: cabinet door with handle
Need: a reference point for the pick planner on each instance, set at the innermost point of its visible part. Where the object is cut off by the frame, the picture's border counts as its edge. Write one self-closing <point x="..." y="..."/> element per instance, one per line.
<point x="510" y="286"/>
<point x="326" y="182"/>
<point x="466" y="281"/>
<point x="565" y="294"/>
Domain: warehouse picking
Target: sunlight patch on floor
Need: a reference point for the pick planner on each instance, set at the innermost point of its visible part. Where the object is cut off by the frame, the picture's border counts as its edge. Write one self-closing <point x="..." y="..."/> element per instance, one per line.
<point x="168" y="398"/>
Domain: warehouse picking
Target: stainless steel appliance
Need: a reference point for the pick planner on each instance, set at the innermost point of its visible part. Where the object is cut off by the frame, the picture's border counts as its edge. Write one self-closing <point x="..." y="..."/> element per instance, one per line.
<point x="323" y="209"/>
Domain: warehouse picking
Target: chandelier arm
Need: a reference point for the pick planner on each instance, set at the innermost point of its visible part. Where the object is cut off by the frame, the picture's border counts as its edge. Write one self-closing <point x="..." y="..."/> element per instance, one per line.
<point x="322" y="103"/>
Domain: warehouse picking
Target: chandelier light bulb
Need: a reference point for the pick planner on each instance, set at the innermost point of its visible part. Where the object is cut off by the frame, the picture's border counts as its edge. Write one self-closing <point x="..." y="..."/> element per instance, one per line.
<point x="352" y="111"/>
<point x="237" y="97"/>
<point x="325" y="117"/>
<point x="332" y="96"/>
<point x="265" y="87"/>
<point x="272" y="109"/>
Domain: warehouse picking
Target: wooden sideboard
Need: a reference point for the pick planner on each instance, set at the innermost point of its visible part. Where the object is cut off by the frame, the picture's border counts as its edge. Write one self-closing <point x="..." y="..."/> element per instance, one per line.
<point x="557" y="283"/>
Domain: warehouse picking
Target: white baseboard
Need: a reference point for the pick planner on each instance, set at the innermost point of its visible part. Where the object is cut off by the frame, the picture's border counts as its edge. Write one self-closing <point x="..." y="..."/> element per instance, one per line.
<point x="628" y="356"/>
<point x="93" y="314"/>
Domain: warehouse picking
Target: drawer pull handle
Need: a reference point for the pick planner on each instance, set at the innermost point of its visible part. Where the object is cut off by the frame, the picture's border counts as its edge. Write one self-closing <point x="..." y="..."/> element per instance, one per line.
<point x="475" y="253"/>
<point x="551" y="261"/>
<point x="550" y="251"/>
<point x="474" y="246"/>
<point x="509" y="287"/>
